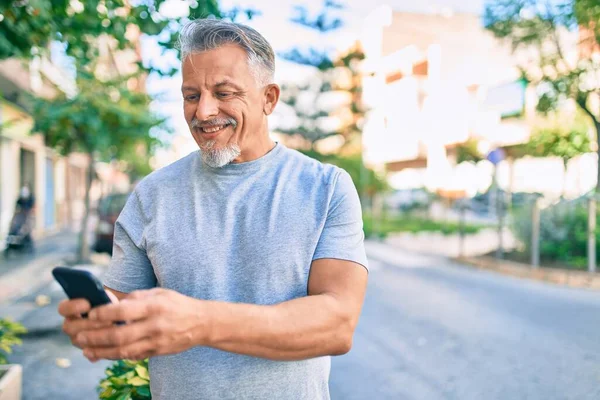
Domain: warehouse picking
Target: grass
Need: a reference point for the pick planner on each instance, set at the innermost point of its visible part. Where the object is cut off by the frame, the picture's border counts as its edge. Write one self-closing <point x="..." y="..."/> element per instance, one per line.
<point x="572" y="263"/>
<point x="414" y="224"/>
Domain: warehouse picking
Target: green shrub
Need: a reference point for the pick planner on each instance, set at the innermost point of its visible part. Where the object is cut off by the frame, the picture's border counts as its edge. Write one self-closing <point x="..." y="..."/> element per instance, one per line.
<point x="9" y="337"/>
<point x="413" y="224"/>
<point x="563" y="232"/>
<point x="126" y="380"/>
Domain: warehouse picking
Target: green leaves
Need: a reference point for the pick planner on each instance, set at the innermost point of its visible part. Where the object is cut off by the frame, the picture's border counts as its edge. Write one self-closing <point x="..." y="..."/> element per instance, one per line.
<point x="126" y="380"/>
<point x="9" y="337"/>
<point x="103" y="119"/>
<point x="25" y="25"/>
<point x="560" y="142"/>
<point x="539" y="27"/>
<point x="339" y="78"/>
<point x="30" y="26"/>
<point x="142" y="371"/>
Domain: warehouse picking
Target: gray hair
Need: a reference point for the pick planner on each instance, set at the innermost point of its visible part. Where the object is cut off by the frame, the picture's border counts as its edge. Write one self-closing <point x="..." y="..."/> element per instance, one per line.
<point x="208" y="34"/>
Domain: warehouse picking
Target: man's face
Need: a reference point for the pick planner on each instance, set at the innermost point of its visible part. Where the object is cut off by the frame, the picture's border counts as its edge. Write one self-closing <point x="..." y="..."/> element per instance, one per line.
<point x="223" y="105"/>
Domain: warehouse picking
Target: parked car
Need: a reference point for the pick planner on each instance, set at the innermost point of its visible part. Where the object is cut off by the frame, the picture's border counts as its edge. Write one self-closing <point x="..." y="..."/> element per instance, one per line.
<point x="109" y="209"/>
<point x="407" y="199"/>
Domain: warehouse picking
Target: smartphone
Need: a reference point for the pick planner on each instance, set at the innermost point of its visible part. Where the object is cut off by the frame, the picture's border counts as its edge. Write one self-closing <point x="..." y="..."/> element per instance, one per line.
<point x="80" y="284"/>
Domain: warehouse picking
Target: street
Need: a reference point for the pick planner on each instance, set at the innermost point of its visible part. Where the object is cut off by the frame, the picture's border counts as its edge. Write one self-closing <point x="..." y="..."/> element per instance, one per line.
<point x="430" y="329"/>
<point x="433" y="330"/>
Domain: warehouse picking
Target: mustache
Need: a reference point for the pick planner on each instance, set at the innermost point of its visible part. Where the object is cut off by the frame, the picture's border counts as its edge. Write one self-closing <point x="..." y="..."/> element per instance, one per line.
<point x="196" y="123"/>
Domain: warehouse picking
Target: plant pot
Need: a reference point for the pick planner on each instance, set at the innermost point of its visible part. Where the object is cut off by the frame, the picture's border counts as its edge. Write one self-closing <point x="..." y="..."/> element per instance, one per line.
<point x="10" y="382"/>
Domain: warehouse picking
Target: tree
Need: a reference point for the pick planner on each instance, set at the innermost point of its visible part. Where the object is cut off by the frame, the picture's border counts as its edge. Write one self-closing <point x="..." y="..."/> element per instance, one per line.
<point x="104" y="120"/>
<point x="28" y="27"/>
<point x="468" y="151"/>
<point x="340" y="76"/>
<point x="558" y="141"/>
<point x="539" y="27"/>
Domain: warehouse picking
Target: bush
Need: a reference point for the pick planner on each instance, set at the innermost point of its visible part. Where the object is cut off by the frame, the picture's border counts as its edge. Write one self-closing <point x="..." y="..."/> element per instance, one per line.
<point x="126" y="380"/>
<point x="408" y="223"/>
<point x="9" y="337"/>
<point x="563" y="232"/>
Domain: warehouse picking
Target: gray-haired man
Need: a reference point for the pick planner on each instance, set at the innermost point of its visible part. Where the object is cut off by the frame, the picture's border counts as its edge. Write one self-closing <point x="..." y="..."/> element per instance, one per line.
<point x="240" y="268"/>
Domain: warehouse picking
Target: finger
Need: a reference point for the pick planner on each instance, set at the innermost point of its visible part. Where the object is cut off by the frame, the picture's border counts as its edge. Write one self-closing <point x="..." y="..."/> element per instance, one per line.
<point x="72" y="326"/>
<point x="125" y="310"/>
<point x="142" y="348"/>
<point x="115" y="335"/>
<point x="142" y="294"/>
<point x="113" y="298"/>
<point x="73" y="308"/>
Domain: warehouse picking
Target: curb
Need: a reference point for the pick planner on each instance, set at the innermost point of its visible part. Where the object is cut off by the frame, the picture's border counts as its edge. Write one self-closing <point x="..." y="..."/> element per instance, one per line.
<point x="575" y="279"/>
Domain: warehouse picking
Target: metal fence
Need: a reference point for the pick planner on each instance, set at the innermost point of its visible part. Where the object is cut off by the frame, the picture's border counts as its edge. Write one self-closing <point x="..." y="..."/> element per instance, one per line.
<point x="559" y="233"/>
<point x="523" y="227"/>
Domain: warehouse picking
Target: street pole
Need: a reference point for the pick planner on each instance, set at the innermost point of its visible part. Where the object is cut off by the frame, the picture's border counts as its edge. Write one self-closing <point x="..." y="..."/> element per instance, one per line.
<point x="499" y="213"/>
<point x="461" y="228"/>
<point x="591" y="245"/>
<point x="377" y="215"/>
<point x="535" y="234"/>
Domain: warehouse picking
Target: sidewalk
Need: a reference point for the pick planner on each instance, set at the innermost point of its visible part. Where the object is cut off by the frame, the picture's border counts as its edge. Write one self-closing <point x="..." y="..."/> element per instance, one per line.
<point x="391" y="253"/>
<point x="482" y="242"/>
<point x="24" y="273"/>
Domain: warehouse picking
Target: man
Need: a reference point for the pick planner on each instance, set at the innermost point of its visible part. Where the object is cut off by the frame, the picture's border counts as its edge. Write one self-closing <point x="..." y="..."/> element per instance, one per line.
<point x="26" y="200"/>
<point x="240" y="268"/>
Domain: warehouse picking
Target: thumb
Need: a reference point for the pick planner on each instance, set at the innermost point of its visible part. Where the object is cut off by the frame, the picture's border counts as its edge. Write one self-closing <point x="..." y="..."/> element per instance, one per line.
<point x="112" y="296"/>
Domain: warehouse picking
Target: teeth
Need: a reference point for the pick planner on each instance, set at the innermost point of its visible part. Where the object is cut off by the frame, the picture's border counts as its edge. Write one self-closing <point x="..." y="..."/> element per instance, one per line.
<point x="213" y="129"/>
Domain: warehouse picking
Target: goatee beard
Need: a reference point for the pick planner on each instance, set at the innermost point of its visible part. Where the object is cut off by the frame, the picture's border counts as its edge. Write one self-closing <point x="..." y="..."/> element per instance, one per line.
<point x="219" y="157"/>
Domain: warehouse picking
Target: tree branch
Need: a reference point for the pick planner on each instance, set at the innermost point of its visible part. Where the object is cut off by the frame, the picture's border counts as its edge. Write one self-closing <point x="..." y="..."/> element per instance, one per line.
<point x="582" y="102"/>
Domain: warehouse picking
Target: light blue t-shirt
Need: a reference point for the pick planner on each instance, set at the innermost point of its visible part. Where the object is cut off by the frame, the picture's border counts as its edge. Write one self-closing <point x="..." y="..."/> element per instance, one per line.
<point x="246" y="233"/>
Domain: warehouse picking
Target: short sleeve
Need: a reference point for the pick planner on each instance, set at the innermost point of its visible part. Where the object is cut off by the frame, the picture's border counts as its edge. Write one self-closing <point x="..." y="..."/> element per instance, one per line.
<point x="130" y="269"/>
<point x="342" y="236"/>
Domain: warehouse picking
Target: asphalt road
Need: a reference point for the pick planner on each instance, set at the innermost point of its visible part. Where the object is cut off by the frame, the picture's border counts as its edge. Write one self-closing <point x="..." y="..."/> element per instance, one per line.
<point x="433" y="330"/>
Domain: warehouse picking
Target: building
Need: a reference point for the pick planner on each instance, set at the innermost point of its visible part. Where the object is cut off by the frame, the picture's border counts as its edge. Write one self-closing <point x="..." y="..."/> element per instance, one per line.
<point x="25" y="159"/>
<point x="57" y="182"/>
<point x="433" y="82"/>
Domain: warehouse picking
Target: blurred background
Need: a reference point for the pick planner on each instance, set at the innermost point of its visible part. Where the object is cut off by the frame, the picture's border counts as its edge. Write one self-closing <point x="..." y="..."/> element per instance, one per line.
<point x="469" y="127"/>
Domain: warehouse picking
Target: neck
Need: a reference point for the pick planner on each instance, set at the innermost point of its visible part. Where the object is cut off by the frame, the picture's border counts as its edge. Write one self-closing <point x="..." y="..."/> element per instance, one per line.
<point x="259" y="147"/>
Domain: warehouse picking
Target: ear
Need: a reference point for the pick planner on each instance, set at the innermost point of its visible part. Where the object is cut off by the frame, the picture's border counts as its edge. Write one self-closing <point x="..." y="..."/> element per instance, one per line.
<point x="271" y="98"/>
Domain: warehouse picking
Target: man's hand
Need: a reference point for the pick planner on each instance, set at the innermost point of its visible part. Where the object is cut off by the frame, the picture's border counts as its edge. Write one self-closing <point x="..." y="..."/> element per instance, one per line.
<point x="158" y="321"/>
<point x="161" y="321"/>
<point x="74" y="323"/>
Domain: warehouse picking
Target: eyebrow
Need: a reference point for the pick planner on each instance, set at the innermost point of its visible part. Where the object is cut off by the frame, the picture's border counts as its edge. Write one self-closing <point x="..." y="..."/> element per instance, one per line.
<point x="217" y="85"/>
<point x="227" y="83"/>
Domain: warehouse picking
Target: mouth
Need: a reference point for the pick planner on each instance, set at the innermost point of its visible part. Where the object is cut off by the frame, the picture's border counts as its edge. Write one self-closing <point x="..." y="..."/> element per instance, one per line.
<point x="210" y="132"/>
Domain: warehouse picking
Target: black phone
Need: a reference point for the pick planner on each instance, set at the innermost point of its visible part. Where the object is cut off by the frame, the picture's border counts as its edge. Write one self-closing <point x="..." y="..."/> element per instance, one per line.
<point x="80" y="284"/>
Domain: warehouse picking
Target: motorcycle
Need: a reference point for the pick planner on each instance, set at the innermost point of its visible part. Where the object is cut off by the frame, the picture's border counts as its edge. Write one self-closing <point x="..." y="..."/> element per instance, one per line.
<point x="19" y="235"/>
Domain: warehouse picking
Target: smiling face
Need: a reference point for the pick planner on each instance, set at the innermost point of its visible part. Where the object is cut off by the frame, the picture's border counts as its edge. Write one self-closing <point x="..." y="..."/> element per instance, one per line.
<point x="224" y="106"/>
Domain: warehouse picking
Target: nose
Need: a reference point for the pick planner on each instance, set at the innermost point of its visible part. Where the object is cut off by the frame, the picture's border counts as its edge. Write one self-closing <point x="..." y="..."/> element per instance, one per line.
<point x="207" y="108"/>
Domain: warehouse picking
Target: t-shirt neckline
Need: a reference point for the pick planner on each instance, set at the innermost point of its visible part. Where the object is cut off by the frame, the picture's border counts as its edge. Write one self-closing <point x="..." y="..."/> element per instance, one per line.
<point x="243" y="167"/>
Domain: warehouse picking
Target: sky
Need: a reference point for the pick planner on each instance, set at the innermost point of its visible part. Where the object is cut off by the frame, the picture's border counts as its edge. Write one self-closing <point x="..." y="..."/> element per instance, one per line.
<point x="274" y="25"/>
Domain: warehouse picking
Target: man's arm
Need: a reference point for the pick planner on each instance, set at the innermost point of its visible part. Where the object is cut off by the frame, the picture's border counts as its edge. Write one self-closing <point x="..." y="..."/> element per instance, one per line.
<point x="320" y="324"/>
<point x="166" y="322"/>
